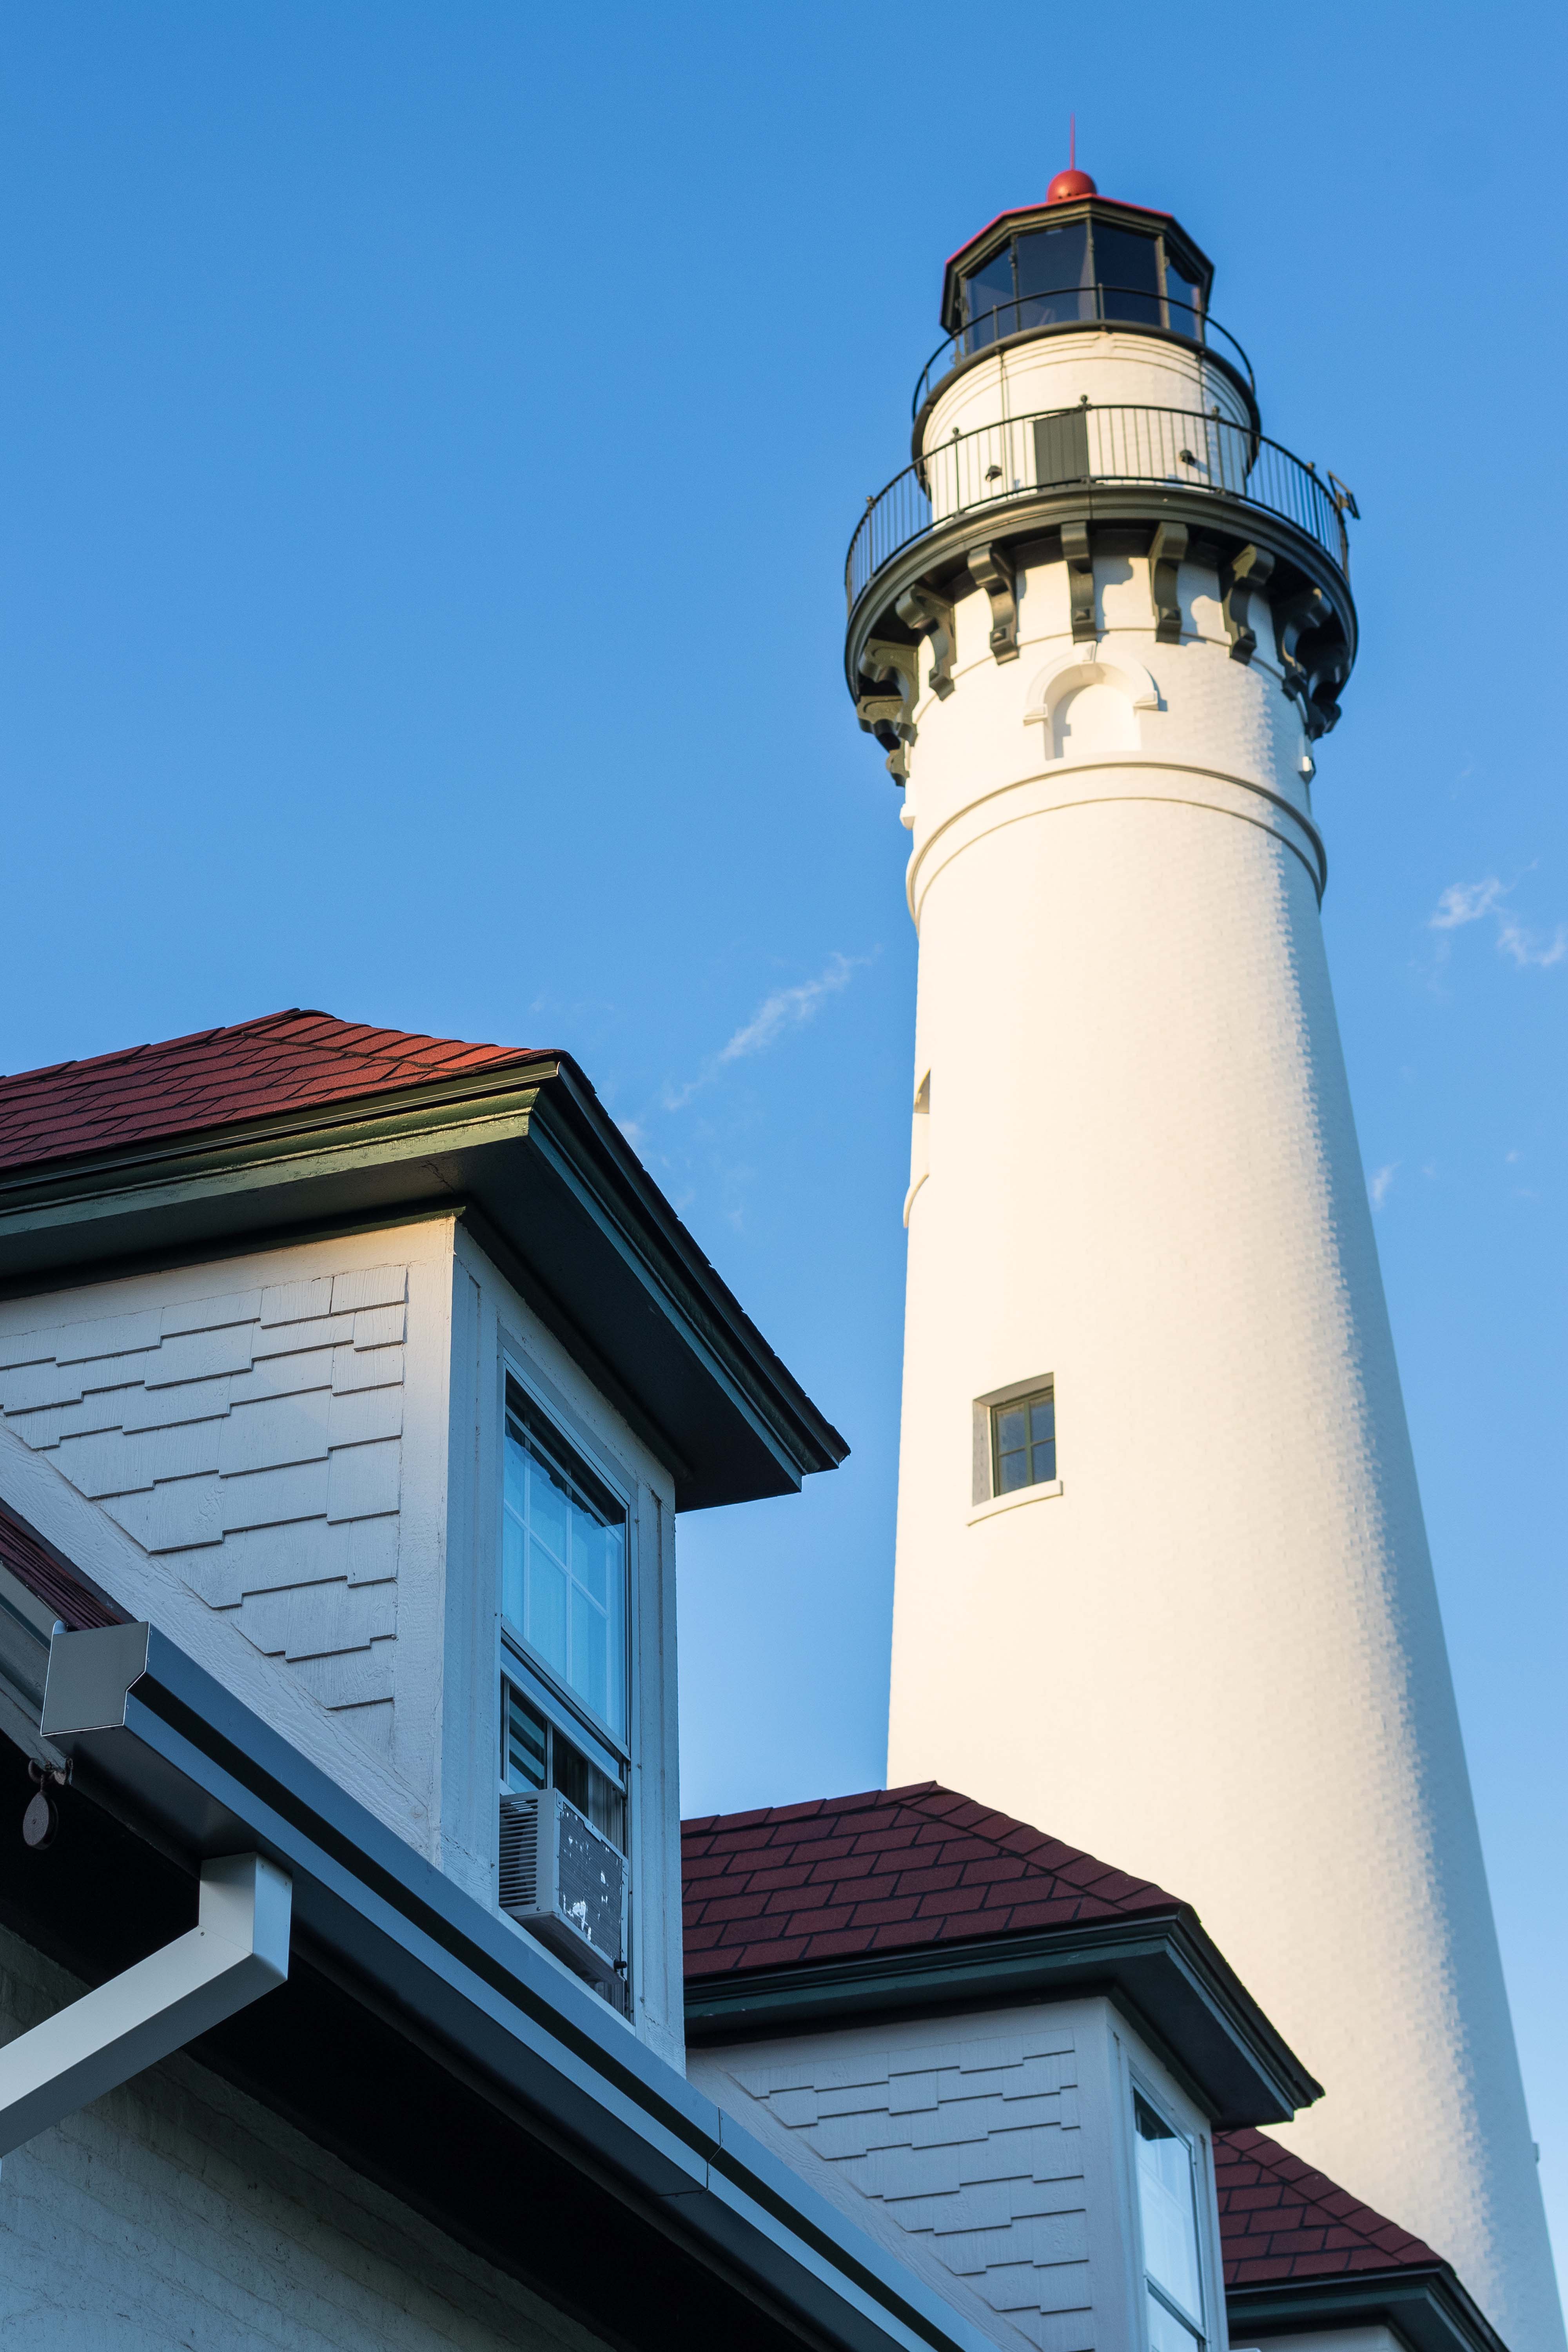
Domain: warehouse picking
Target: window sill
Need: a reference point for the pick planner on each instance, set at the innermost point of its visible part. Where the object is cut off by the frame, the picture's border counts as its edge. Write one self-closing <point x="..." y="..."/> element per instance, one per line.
<point x="1039" y="1494"/>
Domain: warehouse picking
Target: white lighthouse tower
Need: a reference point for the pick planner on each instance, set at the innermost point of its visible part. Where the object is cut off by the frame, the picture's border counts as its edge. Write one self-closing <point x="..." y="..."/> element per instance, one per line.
<point x="1163" y="1583"/>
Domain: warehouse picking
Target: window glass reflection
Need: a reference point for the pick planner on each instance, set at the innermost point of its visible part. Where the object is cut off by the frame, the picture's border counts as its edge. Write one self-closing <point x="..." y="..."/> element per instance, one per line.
<point x="1126" y="266"/>
<point x="988" y="299"/>
<point x="1182" y="300"/>
<point x="563" y="1548"/>
<point x="1168" y="2211"/>
<point x="1024" y="1442"/>
<point x="1053" y="276"/>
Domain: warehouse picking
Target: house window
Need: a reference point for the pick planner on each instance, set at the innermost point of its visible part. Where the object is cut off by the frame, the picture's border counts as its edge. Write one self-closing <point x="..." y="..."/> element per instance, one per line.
<point x="563" y="1565"/>
<point x="537" y="1754"/>
<point x="1024" y="1442"/>
<point x="1168" y="2216"/>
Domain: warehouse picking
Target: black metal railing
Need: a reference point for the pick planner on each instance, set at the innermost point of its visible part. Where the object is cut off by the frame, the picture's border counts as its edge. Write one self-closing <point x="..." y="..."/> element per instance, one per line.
<point x="1080" y="306"/>
<point x="1062" y="448"/>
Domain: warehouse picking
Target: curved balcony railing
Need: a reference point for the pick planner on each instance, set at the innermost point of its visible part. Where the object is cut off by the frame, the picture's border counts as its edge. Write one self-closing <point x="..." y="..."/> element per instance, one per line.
<point x="1065" y="306"/>
<point x="1065" y="447"/>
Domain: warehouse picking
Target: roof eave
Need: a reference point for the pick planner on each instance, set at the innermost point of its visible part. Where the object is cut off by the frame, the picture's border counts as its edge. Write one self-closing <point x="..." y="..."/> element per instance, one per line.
<point x="527" y="1154"/>
<point x="442" y="2010"/>
<point x="1161" y="1966"/>
<point x="1425" y="2304"/>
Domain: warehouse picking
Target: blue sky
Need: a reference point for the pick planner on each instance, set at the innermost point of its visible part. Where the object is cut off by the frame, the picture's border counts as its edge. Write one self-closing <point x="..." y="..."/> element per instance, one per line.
<point x="430" y="436"/>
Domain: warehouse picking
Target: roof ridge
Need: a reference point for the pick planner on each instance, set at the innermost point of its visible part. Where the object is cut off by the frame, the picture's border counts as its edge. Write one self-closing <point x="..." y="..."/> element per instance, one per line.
<point x="158" y="1045"/>
<point x="296" y="1058"/>
<point x="840" y="1878"/>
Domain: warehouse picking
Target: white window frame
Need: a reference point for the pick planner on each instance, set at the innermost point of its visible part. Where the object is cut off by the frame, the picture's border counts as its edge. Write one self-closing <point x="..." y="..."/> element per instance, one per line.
<point x="986" y="1502"/>
<point x="1195" y="2138"/>
<point x="622" y="1483"/>
<point x="622" y="1480"/>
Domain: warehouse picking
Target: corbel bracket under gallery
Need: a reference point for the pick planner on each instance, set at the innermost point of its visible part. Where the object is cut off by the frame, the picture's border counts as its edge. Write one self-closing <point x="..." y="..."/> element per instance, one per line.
<point x="1080" y="581"/>
<point x="991" y="567"/>
<point x="1247" y="572"/>
<point x="930" y="615"/>
<point x="1166" y="550"/>
<point x="1314" y="655"/>
<point x="890" y="717"/>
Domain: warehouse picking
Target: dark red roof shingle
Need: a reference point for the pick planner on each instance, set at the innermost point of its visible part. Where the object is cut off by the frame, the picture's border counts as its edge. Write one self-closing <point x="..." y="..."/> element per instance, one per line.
<point x="1280" y="2219"/>
<point x="74" y="1600"/>
<point x="220" y="1077"/>
<point x="885" y="1870"/>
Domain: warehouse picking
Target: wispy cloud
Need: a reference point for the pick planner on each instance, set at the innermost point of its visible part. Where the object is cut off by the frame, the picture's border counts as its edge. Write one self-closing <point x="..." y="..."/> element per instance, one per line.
<point x="1382" y="1180"/>
<point x="1527" y="947"/>
<point x="784" y="1010"/>
<point x="1465" y="902"/>
<point x="1469" y="902"/>
<point x="786" y="1007"/>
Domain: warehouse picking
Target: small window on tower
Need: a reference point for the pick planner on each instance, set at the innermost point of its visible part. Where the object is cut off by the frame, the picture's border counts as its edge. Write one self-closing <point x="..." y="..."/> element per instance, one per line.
<point x="1024" y="1442"/>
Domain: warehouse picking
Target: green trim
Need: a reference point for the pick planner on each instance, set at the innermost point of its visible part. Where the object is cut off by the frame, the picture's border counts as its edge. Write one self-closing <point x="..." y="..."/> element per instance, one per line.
<point x="1427" y="2307"/>
<point x="704" y="1334"/>
<point x="372" y="1121"/>
<point x="1164" y="1968"/>
<point x="532" y="1150"/>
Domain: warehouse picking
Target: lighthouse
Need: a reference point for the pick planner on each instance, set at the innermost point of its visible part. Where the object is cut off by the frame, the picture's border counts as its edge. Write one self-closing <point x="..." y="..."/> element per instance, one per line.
<point x="1163" y="1582"/>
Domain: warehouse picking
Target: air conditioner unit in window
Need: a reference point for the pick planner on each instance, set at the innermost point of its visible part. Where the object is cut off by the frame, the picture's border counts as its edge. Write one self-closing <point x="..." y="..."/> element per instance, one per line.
<point x="564" y="1883"/>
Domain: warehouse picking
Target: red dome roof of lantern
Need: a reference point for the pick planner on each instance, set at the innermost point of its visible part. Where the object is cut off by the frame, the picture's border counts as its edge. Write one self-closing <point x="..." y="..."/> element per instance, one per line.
<point x="1068" y="185"/>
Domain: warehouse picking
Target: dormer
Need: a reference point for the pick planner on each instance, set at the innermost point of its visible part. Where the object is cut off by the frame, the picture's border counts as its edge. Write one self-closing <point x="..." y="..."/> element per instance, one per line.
<point x="1004" y="2058"/>
<point x="373" y="1369"/>
<point x="1036" y="2079"/>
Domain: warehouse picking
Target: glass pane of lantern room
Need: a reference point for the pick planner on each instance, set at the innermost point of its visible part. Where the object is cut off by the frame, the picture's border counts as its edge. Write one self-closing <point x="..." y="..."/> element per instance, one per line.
<point x="988" y="299"/>
<point x="1125" y="265"/>
<point x="1053" y="276"/>
<point x="1183" y="310"/>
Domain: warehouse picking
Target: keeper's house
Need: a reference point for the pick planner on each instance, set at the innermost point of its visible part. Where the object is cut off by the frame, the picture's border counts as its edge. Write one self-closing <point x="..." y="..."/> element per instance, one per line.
<point x="350" y="1385"/>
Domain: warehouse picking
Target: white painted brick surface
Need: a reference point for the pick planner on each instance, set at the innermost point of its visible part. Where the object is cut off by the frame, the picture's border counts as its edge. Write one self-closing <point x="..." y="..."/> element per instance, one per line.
<point x="1215" y="1658"/>
<point x="176" y="2214"/>
<point x="255" y="1438"/>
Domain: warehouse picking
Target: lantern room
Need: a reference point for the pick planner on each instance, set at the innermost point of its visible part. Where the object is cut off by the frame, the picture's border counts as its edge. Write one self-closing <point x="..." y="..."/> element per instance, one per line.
<point x="1077" y="258"/>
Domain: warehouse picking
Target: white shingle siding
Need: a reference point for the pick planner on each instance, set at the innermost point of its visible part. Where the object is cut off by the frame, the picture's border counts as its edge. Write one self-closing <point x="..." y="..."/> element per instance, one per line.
<point x="991" y="2151"/>
<point x="250" y="1436"/>
<point x="318" y="1527"/>
<point x="974" y="2145"/>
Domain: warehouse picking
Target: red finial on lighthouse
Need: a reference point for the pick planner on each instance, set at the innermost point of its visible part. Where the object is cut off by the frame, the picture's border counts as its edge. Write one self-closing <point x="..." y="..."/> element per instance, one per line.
<point x="1072" y="182"/>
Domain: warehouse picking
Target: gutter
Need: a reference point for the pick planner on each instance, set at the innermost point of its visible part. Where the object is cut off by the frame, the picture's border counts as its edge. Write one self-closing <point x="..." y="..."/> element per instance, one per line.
<point x="169" y="1755"/>
<point x="1427" y="2306"/>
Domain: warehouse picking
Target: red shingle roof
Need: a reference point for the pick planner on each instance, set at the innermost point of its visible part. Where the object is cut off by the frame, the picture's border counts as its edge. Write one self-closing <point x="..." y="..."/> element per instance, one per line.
<point x="218" y="1077"/>
<point x="76" y="1602"/>
<point x="881" y="1873"/>
<point x="1279" y="2220"/>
